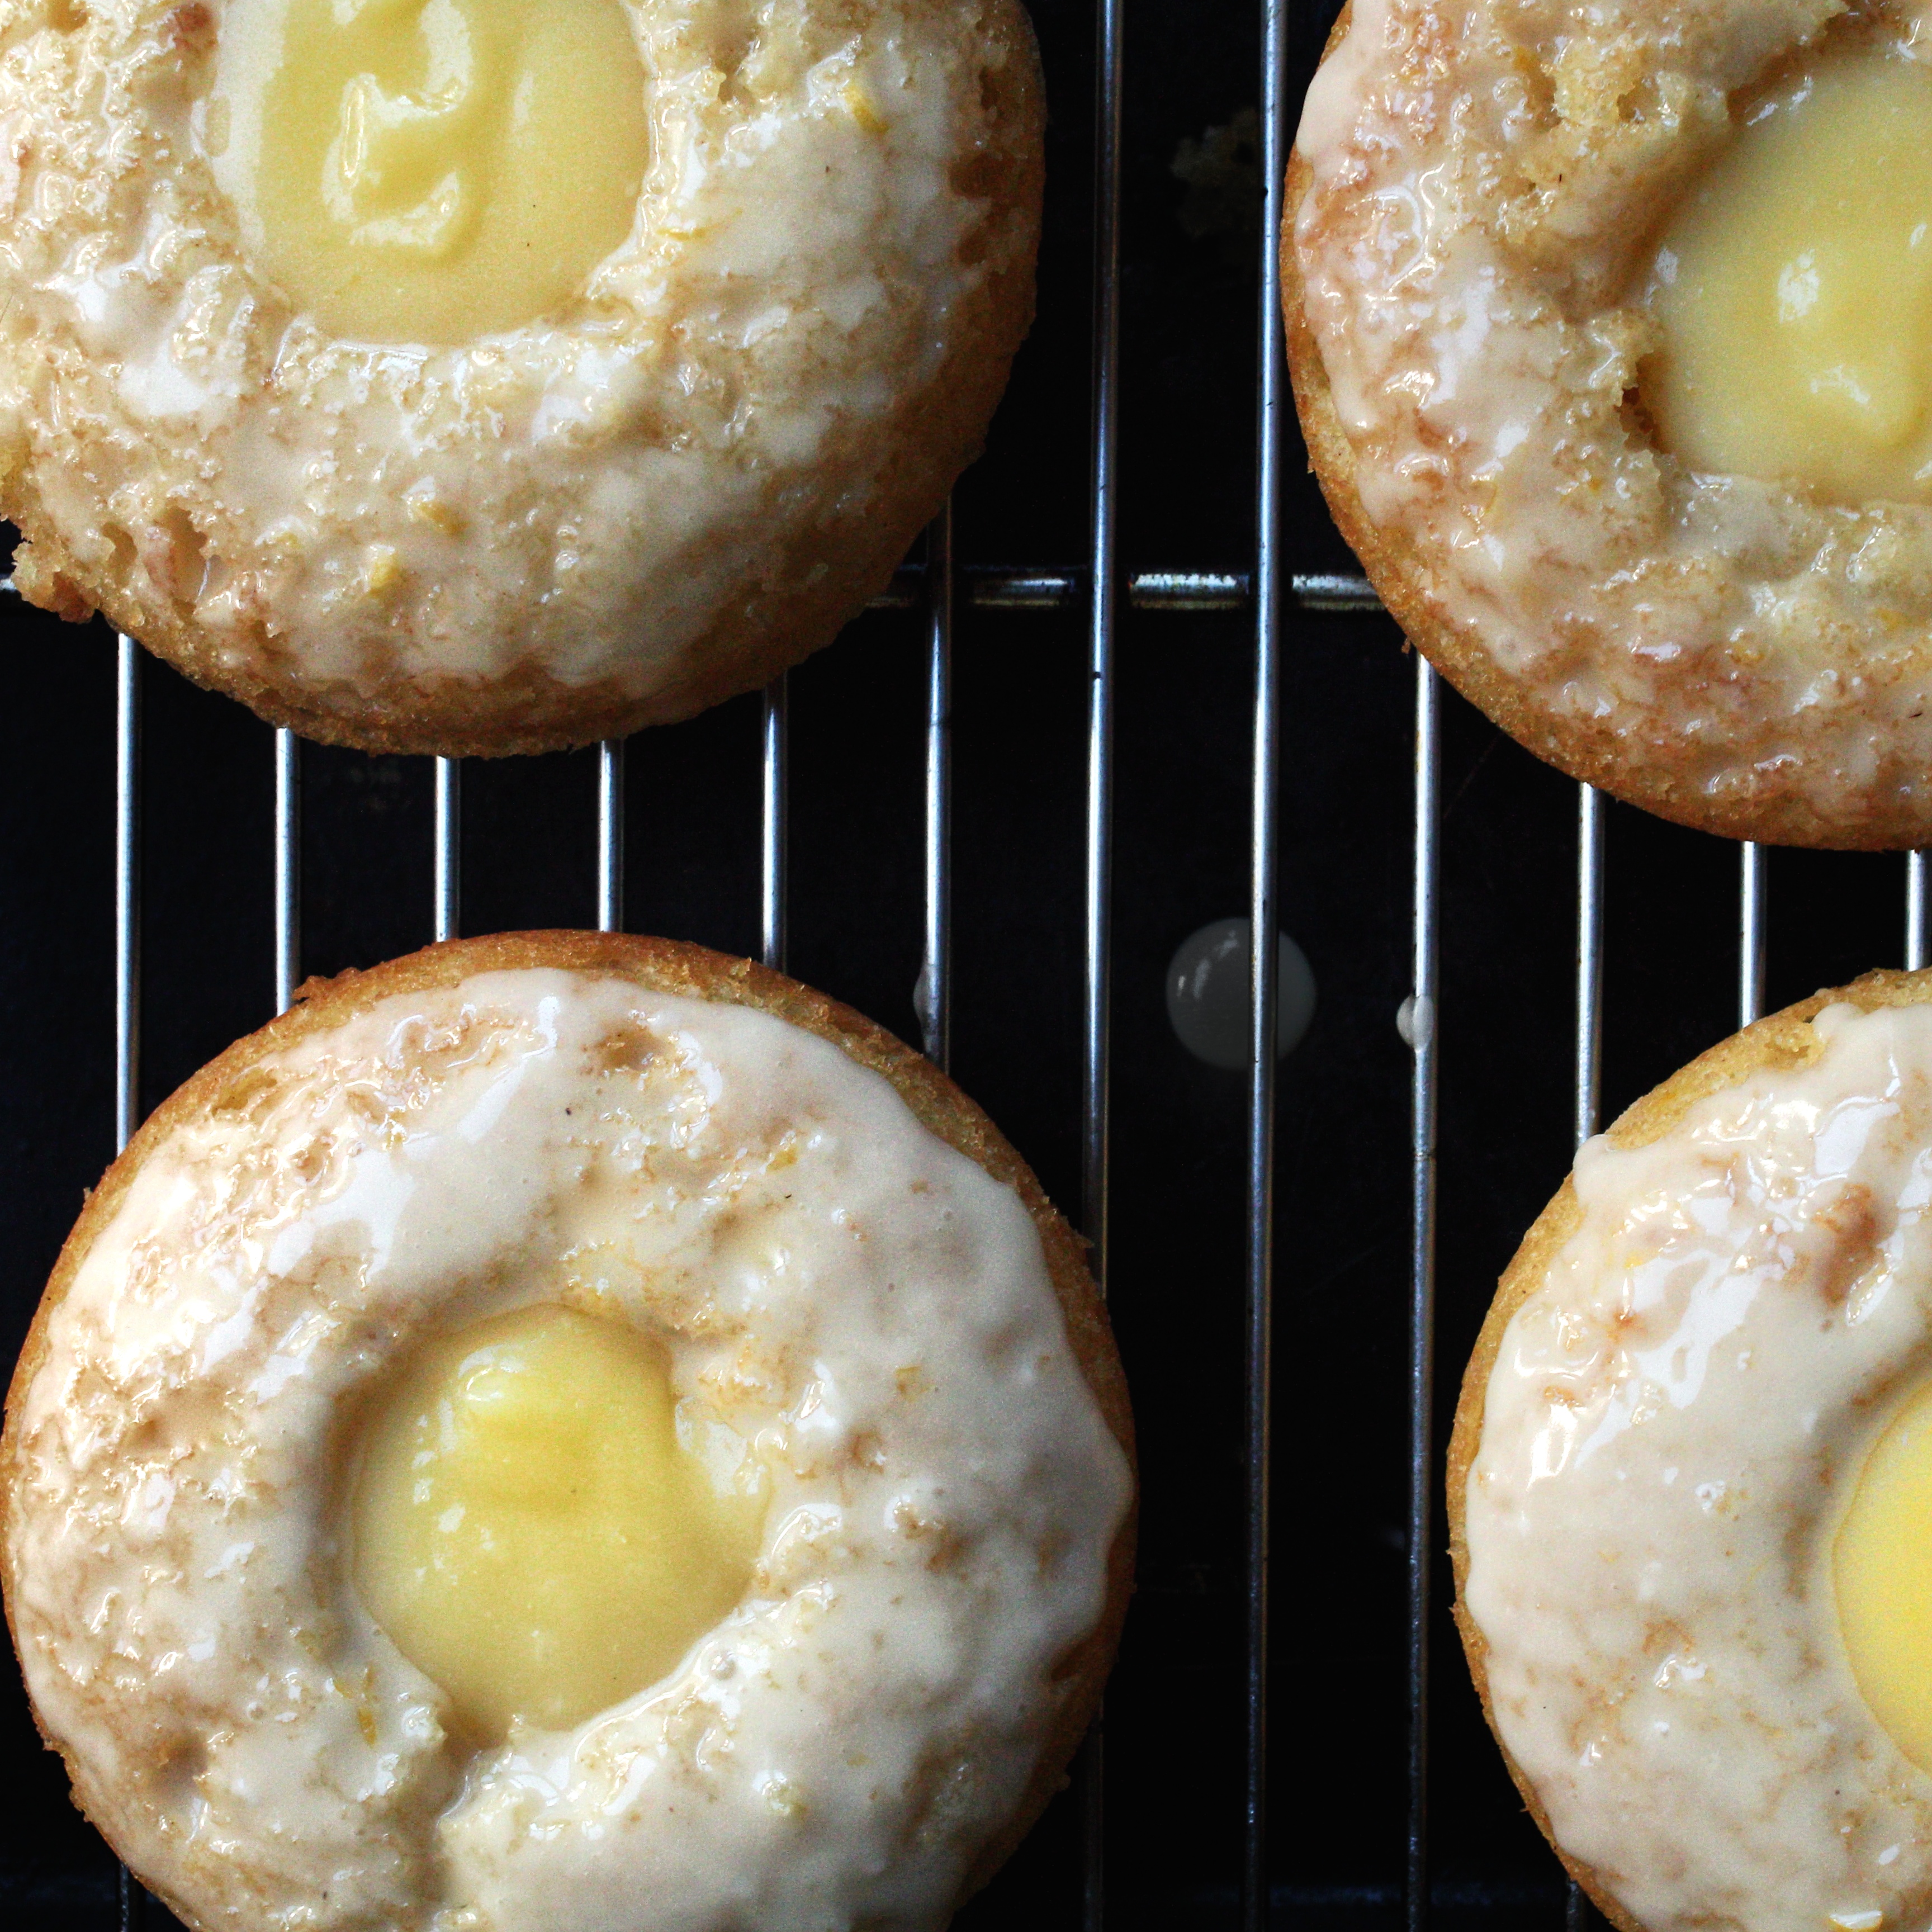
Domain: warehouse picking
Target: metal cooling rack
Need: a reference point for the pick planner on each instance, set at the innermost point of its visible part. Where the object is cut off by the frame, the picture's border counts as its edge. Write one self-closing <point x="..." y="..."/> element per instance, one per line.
<point x="936" y="586"/>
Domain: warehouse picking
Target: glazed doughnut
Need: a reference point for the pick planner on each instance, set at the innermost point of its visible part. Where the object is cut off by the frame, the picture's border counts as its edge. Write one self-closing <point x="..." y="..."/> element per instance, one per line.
<point x="1691" y="1479"/>
<point x="566" y="1431"/>
<point x="1578" y="307"/>
<point x="441" y="378"/>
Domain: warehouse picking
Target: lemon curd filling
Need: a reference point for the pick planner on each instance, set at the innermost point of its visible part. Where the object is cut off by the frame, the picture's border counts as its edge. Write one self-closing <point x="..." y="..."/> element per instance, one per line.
<point x="528" y="1527"/>
<point x="1882" y="1569"/>
<point x="428" y="171"/>
<point x="1793" y="288"/>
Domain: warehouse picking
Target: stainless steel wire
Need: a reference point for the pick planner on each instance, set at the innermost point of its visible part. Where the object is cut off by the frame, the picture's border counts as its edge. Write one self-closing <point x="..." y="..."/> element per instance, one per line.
<point x="999" y="587"/>
<point x="1189" y="590"/>
<point x="126" y="890"/>
<point x="610" y="835"/>
<point x="1424" y="1030"/>
<point x="1322" y="591"/>
<point x="774" y="826"/>
<point x="1915" y="911"/>
<point x="1103" y="567"/>
<point x="1589" y="1051"/>
<point x="1263" y="920"/>
<point x="935" y="1000"/>
<point x="288" y="868"/>
<point x="1576" y="1912"/>
<point x="1589" y="960"/>
<point x="1754" y="886"/>
<point x="447" y="886"/>
<point x="1101" y="626"/>
<point x="132" y="1899"/>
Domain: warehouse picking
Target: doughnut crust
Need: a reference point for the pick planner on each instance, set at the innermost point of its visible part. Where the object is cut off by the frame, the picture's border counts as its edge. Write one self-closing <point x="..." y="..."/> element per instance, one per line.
<point x="661" y="494"/>
<point x="1721" y="650"/>
<point x="1894" y="1802"/>
<point x="654" y="968"/>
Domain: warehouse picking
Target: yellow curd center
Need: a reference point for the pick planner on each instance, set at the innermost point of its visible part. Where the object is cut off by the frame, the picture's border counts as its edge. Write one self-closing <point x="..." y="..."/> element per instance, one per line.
<point x="528" y="1527"/>
<point x="427" y="171"/>
<point x="1794" y="288"/>
<point x="1882" y="1567"/>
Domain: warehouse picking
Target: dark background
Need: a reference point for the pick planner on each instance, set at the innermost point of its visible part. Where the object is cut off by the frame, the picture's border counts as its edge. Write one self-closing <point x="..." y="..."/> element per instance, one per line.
<point x="1185" y="692"/>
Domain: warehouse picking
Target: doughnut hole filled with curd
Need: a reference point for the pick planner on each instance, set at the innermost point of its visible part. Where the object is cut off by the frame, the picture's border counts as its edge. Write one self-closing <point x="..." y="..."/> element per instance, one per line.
<point x="1793" y="290"/>
<point x="531" y="1526"/>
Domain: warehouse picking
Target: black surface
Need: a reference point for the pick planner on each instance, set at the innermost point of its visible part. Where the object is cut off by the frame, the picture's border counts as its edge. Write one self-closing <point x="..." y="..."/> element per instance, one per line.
<point x="1185" y="691"/>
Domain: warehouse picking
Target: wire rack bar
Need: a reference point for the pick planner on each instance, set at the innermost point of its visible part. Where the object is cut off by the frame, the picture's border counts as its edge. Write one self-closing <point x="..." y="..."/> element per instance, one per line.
<point x="610" y="835"/>
<point x="1423" y="1039"/>
<point x="1189" y="590"/>
<point x="132" y="1899"/>
<point x="1589" y="959"/>
<point x="446" y="888"/>
<point x="935" y="972"/>
<point x="1103" y="566"/>
<point x="997" y="590"/>
<point x="126" y="890"/>
<point x="1264" y="920"/>
<point x="1915" y="911"/>
<point x="288" y="868"/>
<point x="1588" y="1063"/>
<point x="774" y="823"/>
<point x="1754" y="886"/>
<point x="1000" y="586"/>
<point x="1339" y="595"/>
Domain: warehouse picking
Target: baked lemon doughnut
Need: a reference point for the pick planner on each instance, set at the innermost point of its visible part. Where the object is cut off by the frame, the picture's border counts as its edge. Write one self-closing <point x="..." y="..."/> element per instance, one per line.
<point x="440" y="376"/>
<point x="1578" y="304"/>
<point x="565" y="1431"/>
<point x="1690" y="1485"/>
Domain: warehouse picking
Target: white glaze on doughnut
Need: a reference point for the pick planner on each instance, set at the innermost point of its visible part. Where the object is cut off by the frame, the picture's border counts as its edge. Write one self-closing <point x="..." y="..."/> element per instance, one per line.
<point x="1486" y="177"/>
<point x="864" y="1307"/>
<point x="1670" y="1435"/>
<point x="668" y="465"/>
